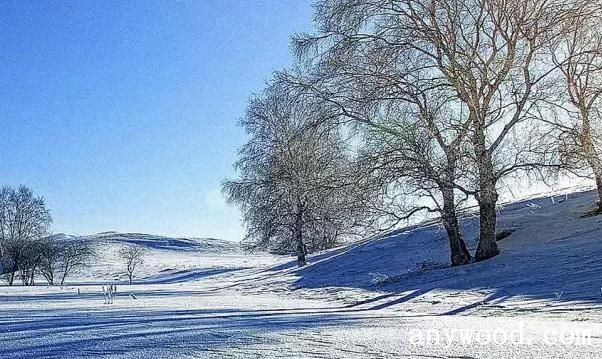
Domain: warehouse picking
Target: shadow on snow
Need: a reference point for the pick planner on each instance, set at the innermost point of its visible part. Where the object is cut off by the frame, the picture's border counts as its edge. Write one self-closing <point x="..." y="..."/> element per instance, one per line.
<point x="552" y="254"/>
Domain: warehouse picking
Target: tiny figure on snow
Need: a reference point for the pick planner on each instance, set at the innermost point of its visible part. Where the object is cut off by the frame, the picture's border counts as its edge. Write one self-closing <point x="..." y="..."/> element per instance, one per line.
<point x="107" y="291"/>
<point x="110" y="293"/>
<point x="104" y="293"/>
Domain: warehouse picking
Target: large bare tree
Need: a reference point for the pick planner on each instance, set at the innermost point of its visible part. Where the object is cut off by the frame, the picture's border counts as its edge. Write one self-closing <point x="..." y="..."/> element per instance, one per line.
<point x="490" y="53"/>
<point x="420" y="165"/>
<point x="412" y="129"/>
<point x="578" y="55"/>
<point x="295" y="189"/>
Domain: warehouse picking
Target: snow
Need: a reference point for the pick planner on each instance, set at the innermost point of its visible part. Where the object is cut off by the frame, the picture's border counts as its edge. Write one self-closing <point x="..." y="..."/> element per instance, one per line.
<point x="156" y="242"/>
<point x="392" y="296"/>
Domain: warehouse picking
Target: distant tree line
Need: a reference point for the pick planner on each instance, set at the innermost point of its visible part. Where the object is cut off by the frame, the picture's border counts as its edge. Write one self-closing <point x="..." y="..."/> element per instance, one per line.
<point x="400" y="107"/>
<point x="26" y="249"/>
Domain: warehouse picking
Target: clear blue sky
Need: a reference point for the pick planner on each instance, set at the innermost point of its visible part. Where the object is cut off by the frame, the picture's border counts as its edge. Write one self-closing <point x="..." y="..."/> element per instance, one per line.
<point x="122" y="114"/>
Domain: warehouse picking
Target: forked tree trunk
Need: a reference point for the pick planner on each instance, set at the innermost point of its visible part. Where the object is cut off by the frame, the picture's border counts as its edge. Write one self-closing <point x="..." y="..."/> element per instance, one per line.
<point x="459" y="253"/>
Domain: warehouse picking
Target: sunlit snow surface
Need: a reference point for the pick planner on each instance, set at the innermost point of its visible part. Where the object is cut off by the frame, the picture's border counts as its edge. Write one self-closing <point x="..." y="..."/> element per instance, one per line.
<point x="372" y="299"/>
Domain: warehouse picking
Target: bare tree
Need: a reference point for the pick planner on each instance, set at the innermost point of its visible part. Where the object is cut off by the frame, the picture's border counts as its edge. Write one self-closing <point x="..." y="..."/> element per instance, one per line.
<point x="73" y="254"/>
<point x="414" y="129"/>
<point x="578" y="55"/>
<point x="24" y="220"/>
<point x="14" y="254"/>
<point x="420" y="166"/>
<point x="491" y="53"/>
<point x="31" y="260"/>
<point x="50" y="251"/>
<point x="413" y="134"/>
<point x="132" y="257"/>
<point x="294" y="189"/>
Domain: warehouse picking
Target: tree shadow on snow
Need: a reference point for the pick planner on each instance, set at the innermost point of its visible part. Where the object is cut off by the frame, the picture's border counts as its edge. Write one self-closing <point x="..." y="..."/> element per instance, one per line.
<point x="552" y="255"/>
<point x="152" y="333"/>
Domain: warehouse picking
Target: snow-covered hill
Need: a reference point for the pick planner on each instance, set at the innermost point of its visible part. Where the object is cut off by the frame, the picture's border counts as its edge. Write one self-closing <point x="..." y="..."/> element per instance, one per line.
<point x="367" y="299"/>
<point x="166" y="259"/>
<point x="551" y="255"/>
<point x="549" y="262"/>
<point x="152" y="242"/>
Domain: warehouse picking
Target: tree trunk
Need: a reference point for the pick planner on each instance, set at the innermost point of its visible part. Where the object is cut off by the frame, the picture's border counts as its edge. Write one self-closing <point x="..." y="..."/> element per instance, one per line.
<point x="11" y="278"/>
<point x="32" y="275"/>
<point x="599" y="187"/>
<point x="301" y="249"/>
<point x="301" y="254"/>
<point x="591" y="156"/>
<point x="486" y="196"/>
<point x="487" y="247"/>
<point x="594" y="162"/>
<point x="130" y="277"/>
<point x="459" y="253"/>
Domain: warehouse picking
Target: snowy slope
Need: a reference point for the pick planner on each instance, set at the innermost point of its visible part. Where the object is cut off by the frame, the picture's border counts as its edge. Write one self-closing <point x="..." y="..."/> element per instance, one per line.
<point x="550" y="257"/>
<point x="364" y="300"/>
<point x="166" y="259"/>
<point x="549" y="262"/>
<point x="151" y="241"/>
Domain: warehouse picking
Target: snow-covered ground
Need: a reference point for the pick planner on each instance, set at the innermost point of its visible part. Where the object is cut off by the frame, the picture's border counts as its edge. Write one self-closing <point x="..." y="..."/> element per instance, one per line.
<point x="392" y="296"/>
